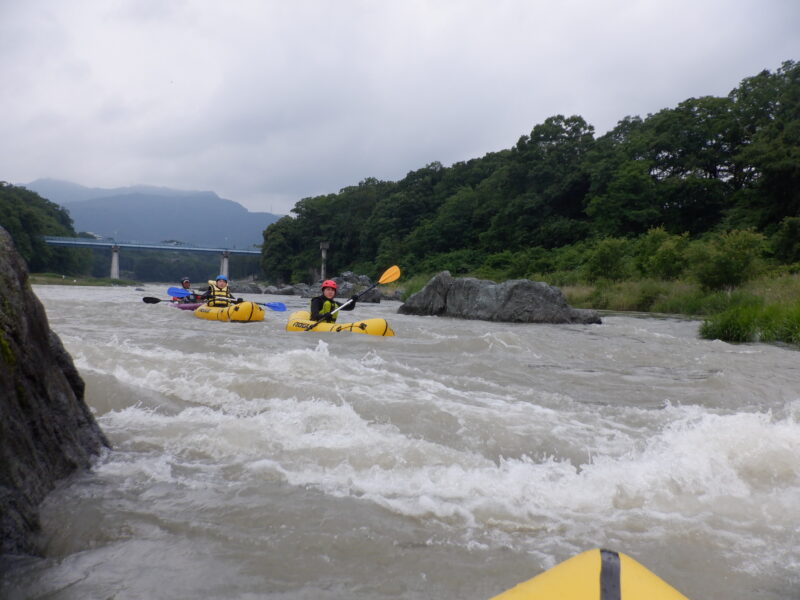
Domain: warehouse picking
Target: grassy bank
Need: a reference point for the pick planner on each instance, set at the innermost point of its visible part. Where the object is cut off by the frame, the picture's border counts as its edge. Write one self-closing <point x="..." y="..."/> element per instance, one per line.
<point x="55" y="279"/>
<point x="766" y="309"/>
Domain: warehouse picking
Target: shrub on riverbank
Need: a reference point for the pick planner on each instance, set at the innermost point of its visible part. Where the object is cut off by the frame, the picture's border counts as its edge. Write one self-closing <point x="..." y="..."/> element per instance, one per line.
<point x="766" y="309"/>
<point x="755" y="323"/>
<point x="682" y="296"/>
<point x="656" y="296"/>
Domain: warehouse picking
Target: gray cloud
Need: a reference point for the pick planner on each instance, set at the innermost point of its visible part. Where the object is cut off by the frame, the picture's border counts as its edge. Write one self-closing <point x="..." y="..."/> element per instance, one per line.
<point x="267" y="102"/>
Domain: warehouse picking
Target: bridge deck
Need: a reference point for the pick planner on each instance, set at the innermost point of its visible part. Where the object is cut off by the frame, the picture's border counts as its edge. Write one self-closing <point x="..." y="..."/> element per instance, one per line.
<point x="93" y="243"/>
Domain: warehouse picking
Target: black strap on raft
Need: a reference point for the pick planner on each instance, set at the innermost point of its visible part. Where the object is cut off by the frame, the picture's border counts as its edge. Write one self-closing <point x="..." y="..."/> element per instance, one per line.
<point x="610" y="588"/>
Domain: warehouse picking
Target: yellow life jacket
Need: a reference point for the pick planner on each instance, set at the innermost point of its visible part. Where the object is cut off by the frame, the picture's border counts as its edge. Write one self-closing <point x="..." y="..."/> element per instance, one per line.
<point x="219" y="296"/>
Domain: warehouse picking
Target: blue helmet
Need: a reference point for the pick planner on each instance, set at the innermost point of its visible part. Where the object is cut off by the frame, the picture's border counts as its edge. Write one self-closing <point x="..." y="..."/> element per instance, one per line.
<point x="221" y="277"/>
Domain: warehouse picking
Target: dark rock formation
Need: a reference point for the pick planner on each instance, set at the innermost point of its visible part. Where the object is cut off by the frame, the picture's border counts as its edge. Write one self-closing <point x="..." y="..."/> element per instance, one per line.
<point x="46" y="429"/>
<point x="347" y="284"/>
<point x="244" y="287"/>
<point x="516" y="301"/>
<point x="282" y="290"/>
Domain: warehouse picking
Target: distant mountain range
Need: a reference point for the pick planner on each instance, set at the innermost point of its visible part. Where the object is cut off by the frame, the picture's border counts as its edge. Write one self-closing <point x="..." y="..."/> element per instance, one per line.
<point x="154" y="214"/>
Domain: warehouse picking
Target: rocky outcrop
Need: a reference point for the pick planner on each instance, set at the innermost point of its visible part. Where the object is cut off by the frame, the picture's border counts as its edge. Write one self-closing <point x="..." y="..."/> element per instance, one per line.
<point x="282" y="290"/>
<point x="348" y="283"/>
<point x="46" y="429"/>
<point x="244" y="287"/>
<point x="515" y="301"/>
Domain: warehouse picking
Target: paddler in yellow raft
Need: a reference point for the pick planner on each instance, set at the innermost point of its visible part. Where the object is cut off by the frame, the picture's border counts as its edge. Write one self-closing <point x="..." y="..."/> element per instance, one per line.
<point x="324" y="309"/>
<point x="219" y="294"/>
<point x="222" y="306"/>
<point x="323" y="306"/>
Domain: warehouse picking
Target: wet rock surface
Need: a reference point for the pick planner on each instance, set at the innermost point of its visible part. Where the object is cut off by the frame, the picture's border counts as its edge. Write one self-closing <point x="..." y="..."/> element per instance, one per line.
<point x="47" y="431"/>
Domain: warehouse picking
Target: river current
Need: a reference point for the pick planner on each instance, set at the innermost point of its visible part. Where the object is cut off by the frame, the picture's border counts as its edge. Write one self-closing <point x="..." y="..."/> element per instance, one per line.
<point x="449" y="462"/>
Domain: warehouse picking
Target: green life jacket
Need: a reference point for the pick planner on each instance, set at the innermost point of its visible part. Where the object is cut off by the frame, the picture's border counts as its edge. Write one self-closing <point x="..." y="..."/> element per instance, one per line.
<point x="328" y="306"/>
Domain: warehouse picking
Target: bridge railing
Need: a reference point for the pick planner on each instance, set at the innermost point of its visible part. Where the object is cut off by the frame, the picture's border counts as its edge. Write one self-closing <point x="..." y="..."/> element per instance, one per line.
<point x="115" y="246"/>
<point x="109" y="243"/>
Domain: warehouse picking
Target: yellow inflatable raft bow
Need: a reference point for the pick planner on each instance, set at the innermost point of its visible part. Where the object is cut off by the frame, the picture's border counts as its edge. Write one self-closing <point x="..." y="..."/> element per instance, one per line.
<point x="301" y="320"/>
<point x="244" y="312"/>
<point x="595" y="575"/>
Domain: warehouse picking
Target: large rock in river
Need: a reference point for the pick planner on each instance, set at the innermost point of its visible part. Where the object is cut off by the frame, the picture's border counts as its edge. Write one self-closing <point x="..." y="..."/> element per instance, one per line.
<point x="516" y="301"/>
<point x="46" y="429"/>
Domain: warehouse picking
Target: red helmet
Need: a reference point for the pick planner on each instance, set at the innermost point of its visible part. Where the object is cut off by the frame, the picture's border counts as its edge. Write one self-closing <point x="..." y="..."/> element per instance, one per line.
<point x="329" y="283"/>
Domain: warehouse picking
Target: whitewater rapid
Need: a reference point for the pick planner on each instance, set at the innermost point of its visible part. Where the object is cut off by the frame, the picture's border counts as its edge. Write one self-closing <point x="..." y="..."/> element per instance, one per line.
<point x="451" y="461"/>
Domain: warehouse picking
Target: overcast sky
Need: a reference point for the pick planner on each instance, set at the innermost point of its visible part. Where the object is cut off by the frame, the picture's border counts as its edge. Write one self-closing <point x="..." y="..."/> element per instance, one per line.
<point x="269" y="101"/>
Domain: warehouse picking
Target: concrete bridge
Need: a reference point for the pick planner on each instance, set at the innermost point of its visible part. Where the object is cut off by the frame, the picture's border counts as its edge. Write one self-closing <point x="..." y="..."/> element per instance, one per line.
<point x="115" y="246"/>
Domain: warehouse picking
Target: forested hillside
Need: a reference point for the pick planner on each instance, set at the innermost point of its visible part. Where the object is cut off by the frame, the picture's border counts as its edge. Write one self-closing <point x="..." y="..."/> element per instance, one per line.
<point x="716" y="172"/>
<point x="27" y="217"/>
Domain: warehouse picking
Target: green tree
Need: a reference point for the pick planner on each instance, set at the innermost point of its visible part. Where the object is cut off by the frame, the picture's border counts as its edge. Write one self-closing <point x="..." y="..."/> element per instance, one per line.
<point x="28" y="218"/>
<point x="608" y="260"/>
<point x="545" y="179"/>
<point x="770" y="105"/>
<point x="279" y="249"/>
<point x="630" y="206"/>
<point x="662" y="255"/>
<point x="786" y="240"/>
<point x="451" y="228"/>
<point x="728" y="259"/>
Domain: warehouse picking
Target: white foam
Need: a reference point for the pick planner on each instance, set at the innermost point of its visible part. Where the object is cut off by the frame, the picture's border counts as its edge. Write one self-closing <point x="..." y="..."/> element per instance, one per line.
<point x="536" y="437"/>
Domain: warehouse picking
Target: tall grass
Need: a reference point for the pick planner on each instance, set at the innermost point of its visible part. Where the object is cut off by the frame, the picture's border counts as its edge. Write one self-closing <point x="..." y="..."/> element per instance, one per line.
<point x="763" y="310"/>
<point x="650" y="295"/>
<point x="681" y="297"/>
<point x="753" y="323"/>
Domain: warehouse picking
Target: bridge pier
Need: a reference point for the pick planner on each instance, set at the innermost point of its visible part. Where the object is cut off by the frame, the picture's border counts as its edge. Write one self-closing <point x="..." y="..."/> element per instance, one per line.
<point x="114" y="262"/>
<point x="223" y="263"/>
<point x="116" y="246"/>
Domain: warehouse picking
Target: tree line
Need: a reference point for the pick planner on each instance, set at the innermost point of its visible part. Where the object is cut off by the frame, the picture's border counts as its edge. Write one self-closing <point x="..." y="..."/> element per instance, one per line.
<point x="28" y="217"/>
<point x="711" y="180"/>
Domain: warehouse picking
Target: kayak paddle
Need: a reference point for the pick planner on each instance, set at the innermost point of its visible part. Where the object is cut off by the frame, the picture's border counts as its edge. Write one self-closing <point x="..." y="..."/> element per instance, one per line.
<point x="278" y="306"/>
<point x="178" y="292"/>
